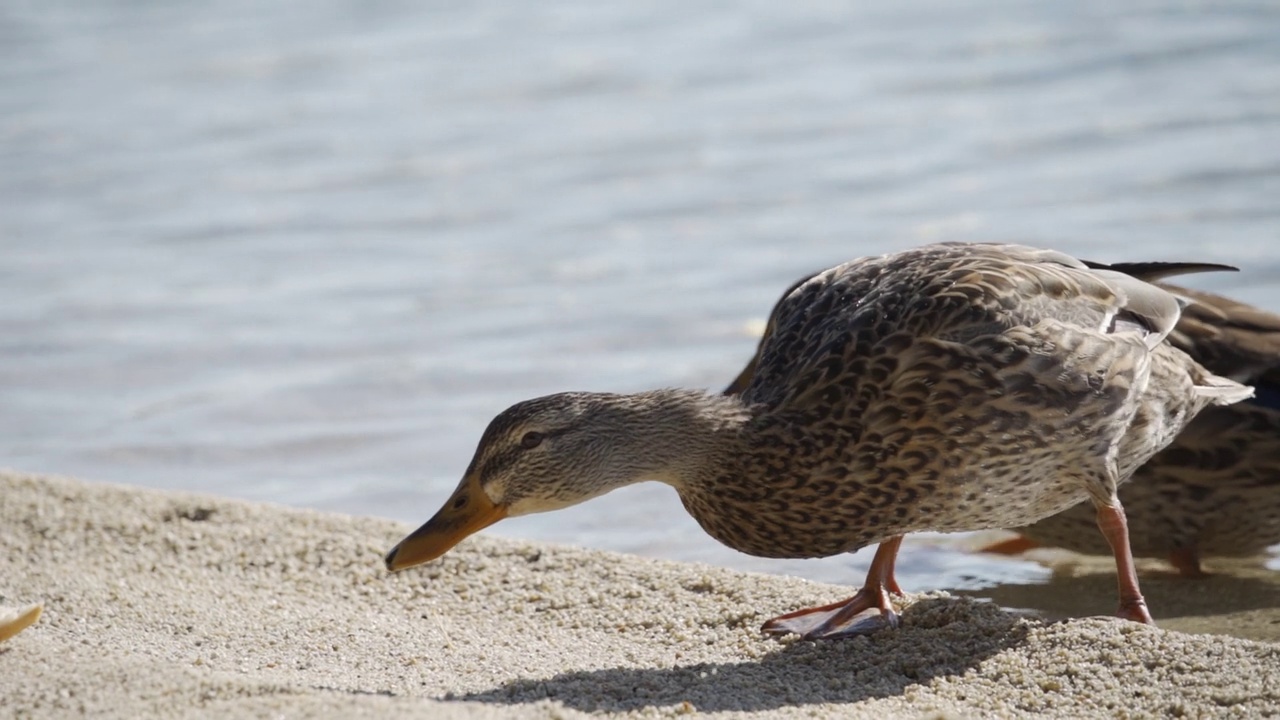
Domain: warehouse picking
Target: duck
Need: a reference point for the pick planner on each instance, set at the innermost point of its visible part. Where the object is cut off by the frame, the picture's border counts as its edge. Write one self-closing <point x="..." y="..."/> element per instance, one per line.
<point x="1215" y="490"/>
<point x="949" y="387"/>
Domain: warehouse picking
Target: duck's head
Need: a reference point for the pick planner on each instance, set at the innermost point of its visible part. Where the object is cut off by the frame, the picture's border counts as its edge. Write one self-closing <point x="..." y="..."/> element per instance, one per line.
<point x="538" y="455"/>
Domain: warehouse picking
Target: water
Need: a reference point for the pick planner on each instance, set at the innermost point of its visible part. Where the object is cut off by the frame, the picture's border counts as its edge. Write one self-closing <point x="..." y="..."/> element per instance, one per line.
<point x="302" y="252"/>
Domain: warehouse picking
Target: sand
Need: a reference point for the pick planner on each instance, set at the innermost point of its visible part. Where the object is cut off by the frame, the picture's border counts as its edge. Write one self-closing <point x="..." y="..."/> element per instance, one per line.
<point x="169" y="605"/>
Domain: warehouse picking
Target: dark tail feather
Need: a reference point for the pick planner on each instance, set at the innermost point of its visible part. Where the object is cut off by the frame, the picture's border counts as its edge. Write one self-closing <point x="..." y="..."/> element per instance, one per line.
<point x="1152" y="271"/>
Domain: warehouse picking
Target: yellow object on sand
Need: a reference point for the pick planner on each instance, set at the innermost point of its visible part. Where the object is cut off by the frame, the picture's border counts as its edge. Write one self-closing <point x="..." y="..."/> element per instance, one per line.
<point x="15" y="620"/>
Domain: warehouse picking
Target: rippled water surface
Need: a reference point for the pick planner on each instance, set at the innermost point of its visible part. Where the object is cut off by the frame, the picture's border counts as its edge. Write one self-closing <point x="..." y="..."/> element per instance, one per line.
<point x="303" y="251"/>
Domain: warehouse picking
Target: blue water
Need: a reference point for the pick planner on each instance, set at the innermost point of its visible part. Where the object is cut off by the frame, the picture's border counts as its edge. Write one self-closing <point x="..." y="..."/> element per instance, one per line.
<point x="303" y="251"/>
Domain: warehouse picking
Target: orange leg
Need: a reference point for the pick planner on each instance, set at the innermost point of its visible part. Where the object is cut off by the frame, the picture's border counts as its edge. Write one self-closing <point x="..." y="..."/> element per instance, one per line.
<point x="1012" y="546"/>
<point x="864" y="613"/>
<point x="1115" y="528"/>
<point x="889" y="579"/>
<point x="1187" y="562"/>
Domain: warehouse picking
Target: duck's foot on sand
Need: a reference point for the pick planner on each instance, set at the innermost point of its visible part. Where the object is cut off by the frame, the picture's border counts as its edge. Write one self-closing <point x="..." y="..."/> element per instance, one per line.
<point x="866" y="612"/>
<point x="1135" y="610"/>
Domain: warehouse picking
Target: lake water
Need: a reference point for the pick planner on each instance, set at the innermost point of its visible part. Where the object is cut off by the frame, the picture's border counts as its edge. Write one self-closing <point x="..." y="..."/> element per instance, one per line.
<point x="302" y="252"/>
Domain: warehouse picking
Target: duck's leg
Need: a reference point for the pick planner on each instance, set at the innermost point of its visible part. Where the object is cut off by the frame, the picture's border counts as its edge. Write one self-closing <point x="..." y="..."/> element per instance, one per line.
<point x="1013" y="546"/>
<point x="1186" y="560"/>
<point x="1115" y="528"/>
<point x="864" y="613"/>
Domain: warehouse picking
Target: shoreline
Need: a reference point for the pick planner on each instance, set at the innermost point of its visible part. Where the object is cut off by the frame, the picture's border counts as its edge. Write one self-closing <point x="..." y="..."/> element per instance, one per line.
<point x="171" y="604"/>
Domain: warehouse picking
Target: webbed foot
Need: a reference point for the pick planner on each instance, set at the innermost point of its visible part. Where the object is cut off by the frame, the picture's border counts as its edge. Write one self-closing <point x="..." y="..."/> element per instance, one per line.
<point x="868" y="611"/>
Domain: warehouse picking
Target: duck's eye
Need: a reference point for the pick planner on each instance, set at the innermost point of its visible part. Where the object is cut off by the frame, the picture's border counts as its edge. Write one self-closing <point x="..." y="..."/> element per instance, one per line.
<point x="531" y="439"/>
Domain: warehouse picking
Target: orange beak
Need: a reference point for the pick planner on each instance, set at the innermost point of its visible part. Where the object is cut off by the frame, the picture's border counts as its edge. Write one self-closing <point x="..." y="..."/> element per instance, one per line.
<point x="467" y="511"/>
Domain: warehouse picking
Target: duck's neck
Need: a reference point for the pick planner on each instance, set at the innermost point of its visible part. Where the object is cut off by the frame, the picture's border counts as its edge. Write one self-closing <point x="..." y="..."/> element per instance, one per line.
<point x="681" y="437"/>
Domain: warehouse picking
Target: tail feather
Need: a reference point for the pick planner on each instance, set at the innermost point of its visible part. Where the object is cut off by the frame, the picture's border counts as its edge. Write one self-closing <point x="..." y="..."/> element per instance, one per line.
<point x="1152" y="271"/>
<point x="1223" y="391"/>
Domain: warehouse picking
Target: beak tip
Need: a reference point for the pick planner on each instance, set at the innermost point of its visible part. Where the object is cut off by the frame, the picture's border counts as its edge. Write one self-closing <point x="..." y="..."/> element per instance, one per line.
<point x="391" y="558"/>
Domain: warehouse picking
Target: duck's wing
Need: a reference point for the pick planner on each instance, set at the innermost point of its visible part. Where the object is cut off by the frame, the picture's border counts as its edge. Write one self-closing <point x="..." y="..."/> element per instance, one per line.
<point x="826" y="334"/>
<point x="1230" y="338"/>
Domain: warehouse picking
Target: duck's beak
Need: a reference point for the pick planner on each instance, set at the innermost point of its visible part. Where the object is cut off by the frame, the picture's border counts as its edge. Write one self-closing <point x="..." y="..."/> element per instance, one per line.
<point x="467" y="511"/>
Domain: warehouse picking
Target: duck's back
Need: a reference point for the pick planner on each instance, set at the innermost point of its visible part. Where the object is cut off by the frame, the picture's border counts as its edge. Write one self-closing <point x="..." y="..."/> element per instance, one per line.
<point x="953" y="292"/>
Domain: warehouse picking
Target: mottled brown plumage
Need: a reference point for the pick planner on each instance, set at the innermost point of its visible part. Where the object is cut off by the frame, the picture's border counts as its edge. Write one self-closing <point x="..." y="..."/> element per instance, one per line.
<point x="1214" y="491"/>
<point x="951" y="387"/>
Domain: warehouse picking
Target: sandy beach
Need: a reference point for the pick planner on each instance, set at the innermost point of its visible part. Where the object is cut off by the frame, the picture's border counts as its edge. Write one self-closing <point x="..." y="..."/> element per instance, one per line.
<point x="169" y="605"/>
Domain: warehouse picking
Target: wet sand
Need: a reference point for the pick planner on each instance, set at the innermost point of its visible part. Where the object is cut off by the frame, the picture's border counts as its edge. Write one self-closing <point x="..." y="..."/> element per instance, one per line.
<point x="169" y="604"/>
<point x="1237" y="597"/>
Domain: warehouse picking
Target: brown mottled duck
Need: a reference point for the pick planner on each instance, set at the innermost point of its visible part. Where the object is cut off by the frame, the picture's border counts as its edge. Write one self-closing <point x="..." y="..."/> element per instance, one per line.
<point x="951" y="387"/>
<point x="1215" y="490"/>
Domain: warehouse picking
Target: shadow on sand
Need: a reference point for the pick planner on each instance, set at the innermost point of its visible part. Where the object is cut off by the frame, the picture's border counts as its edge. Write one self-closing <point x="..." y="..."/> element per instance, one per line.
<point x="938" y="637"/>
<point x="1235" y="599"/>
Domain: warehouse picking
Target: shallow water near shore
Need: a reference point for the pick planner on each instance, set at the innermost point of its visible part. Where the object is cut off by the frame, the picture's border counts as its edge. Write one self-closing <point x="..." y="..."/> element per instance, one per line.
<point x="302" y="254"/>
